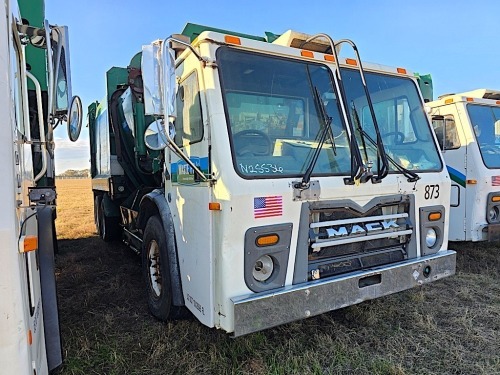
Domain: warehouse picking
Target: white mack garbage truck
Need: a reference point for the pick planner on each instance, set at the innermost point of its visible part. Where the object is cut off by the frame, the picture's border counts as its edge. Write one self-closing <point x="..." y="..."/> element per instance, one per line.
<point x="35" y="95"/>
<point x="467" y="127"/>
<point x="265" y="180"/>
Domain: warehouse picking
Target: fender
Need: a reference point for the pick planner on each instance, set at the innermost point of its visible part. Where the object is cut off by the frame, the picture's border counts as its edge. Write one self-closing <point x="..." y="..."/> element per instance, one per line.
<point x="150" y="204"/>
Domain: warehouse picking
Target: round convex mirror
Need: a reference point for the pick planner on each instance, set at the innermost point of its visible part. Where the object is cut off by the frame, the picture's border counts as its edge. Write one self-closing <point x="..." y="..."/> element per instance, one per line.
<point x="75" y="118"/>
<point x="155" y="137"/>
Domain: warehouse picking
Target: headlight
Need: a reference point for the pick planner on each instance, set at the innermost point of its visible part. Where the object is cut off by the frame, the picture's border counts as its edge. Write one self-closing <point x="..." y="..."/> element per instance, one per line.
<point x="267" y="249"/>
<point x="263" y="268"/>
<point x="493" y="213"/>
<point x="493" y="208"/>
<point x="432" y="229"/>
<point x="430" y="237"/>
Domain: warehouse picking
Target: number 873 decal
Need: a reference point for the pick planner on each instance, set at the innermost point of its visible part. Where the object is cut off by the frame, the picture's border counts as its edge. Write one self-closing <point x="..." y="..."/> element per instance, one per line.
<point x="431" y="191"/>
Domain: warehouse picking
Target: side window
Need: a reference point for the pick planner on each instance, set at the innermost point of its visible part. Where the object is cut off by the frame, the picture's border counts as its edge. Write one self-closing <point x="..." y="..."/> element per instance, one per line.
<point x="189" y="122"/>
<point x="446" y="132"/>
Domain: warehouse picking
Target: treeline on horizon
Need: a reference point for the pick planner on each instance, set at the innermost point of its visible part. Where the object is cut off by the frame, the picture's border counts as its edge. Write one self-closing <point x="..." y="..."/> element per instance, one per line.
<point x="75" y="173"/>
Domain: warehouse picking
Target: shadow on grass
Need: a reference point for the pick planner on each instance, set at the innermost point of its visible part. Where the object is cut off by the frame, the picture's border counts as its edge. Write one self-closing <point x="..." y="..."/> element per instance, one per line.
<point x="477" y="257"/>
<point x="93" y="275"/>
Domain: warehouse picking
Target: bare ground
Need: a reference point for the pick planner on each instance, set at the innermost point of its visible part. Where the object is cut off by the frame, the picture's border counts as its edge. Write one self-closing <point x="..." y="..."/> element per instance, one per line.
<point x="449" y="327"/>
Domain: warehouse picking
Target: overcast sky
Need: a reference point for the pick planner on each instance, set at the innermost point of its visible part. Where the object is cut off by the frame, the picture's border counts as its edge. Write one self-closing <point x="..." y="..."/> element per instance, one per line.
<point x="455" y="41"/>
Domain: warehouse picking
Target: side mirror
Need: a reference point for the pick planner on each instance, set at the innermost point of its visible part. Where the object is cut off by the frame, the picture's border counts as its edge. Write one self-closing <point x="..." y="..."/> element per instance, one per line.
<point x="155" y="137"/>
<point x="56" y="41"/>
<point x="158" y="77"/>
<point x="150" y="68"/>
<point x="169" y="83"/>
<point x="61" y="70"/>
<point x="75" y="118"/>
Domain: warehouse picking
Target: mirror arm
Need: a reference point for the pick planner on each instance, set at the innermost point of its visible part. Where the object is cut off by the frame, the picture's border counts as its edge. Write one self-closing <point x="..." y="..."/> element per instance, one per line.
<point x="173" y="146"/>
<point x="188" y="45"/>
<point x="166" y="118"/>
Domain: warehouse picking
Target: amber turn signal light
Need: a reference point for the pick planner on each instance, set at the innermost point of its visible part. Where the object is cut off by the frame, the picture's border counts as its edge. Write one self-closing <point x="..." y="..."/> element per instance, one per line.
<point x="433" y="216"/>
<point x="267" y="240"/>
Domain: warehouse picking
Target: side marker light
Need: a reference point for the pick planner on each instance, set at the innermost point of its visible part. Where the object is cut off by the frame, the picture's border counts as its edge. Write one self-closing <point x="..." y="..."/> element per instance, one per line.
<point x="307" y="53"/>
<point x="232" y="40"/>
<point x="214" y="206"/>
<point x="28" y="243"/>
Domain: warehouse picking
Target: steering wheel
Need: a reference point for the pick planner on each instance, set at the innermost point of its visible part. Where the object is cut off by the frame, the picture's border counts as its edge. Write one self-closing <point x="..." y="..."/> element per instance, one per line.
<point x="398" y="137"/>
<point x="252" y="142"/>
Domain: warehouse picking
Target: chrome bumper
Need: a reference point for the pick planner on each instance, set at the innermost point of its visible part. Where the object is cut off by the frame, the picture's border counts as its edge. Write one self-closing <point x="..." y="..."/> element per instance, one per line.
<point x="254" y="313"/>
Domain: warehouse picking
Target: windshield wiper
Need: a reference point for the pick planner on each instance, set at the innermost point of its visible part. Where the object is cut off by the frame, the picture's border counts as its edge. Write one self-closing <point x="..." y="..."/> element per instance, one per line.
<point x="412" y="176"/>
<point x="381" y="154"/>
<point x="326" y="121"/>
<point x="369" y="174"/>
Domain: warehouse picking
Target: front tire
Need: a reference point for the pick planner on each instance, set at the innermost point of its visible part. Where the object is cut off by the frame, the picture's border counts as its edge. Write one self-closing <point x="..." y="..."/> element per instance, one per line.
<point x="156" y="272"/>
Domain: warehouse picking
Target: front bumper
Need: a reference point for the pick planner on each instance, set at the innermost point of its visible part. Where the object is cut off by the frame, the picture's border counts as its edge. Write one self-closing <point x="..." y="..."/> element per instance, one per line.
<point x="254" y="313"/>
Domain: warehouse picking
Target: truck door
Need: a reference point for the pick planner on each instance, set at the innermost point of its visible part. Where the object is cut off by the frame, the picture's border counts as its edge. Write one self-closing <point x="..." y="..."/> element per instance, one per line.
<point x="188" y="197"/>
<point x="451" y="140"/>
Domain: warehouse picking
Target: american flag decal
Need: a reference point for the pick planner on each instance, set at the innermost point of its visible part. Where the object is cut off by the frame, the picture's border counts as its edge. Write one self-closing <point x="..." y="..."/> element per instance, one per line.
<point x="268" y="206"/>
<point x="495" y="181"/>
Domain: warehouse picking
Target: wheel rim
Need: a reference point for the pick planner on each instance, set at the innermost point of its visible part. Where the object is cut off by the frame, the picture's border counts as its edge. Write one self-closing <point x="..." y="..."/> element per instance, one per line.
<point x="154" y="267"/>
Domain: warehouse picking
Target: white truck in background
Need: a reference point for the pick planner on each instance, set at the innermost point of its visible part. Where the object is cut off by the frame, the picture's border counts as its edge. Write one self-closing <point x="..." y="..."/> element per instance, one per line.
<point x="35" y="95"/>
<point x="266" y="179"/>
<point x="467" y="126"/>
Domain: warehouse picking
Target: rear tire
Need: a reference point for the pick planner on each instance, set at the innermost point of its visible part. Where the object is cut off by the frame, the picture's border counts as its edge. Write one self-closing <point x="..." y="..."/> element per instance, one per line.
<point x="156" y="272"/>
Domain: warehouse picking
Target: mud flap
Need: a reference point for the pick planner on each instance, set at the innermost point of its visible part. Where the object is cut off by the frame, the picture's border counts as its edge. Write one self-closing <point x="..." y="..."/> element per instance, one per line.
<point x="47" y="243"/>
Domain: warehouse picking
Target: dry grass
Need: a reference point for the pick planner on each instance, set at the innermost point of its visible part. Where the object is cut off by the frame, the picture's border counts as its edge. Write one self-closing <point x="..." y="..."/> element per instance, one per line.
<point x="449" y="327"/>
<point x="75" y="209"/>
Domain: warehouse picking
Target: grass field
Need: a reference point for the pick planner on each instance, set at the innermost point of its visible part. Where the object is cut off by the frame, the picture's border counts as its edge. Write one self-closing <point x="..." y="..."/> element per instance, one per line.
<point x="448" y="327"/>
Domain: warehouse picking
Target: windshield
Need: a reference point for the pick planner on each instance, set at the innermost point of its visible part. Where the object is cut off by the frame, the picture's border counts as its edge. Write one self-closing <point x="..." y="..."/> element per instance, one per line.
<point x="274" y="120"/>
<point x="403" y="125"/>
<point x="485" y="121"/>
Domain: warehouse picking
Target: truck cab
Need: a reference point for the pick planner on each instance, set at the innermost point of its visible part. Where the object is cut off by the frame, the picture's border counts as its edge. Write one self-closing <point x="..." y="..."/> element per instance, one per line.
<point x="467" y="126"/>
<point x="293" y="181"/>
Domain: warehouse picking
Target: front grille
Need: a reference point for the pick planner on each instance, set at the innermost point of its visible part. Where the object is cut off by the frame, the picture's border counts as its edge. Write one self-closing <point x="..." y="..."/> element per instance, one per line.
<point x="345" y="239"/>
